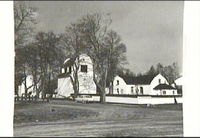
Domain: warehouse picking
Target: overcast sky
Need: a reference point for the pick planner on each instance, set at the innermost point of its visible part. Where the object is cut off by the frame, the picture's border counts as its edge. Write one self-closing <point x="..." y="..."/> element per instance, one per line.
<point x="151" y="30"/>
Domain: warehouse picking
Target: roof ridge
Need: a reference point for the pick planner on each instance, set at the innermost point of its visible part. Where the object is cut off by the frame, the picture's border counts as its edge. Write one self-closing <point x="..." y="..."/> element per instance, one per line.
<point x="144" y="79"/>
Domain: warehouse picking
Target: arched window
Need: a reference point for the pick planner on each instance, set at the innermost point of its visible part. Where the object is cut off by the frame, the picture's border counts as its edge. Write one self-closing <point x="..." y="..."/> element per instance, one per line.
<point x="117" y="82"/>
<point x="62" y="70"/>
<point x="70" y="69"/>
<point x="65" y="70"/>
<point x="159" y="81"/>
<point x="141" y="90"/>
<point x="83" y="68"/>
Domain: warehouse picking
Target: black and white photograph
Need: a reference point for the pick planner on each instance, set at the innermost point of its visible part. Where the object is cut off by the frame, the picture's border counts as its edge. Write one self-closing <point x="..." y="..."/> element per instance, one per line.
<point x="99" y="69"/>
<point x="107" y="69"/>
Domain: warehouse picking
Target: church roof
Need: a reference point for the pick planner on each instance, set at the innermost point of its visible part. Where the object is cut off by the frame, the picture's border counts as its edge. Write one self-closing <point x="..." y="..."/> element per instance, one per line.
<point x="69" y="61"/>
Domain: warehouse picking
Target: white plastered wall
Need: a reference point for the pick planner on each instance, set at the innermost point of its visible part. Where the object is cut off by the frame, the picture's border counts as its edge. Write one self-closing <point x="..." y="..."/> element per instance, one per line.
<point x="64" y="87"/>
<point x="121" y="87"/>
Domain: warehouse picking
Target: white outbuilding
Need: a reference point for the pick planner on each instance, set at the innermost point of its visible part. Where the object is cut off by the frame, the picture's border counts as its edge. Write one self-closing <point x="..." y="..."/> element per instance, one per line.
<point x="179" y="84"/>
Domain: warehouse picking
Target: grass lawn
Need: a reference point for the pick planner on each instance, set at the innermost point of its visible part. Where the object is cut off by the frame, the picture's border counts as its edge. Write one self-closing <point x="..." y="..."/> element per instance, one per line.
<point x="67" y="118"/>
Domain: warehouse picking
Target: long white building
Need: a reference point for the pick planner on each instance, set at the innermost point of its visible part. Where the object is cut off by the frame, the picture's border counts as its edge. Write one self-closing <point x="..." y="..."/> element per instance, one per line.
<point x="143" y="85"/>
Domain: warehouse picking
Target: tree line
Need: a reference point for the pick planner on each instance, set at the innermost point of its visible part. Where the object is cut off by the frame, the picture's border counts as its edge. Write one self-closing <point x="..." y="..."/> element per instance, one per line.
<point x="170" y="72"/>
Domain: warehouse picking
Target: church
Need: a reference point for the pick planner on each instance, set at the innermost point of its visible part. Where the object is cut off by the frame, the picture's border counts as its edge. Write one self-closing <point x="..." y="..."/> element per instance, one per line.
<point x="83" y="67"/>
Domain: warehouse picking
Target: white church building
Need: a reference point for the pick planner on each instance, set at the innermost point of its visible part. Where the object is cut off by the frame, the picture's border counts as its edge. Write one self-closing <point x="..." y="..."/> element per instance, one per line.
<point x="85" y="76"/>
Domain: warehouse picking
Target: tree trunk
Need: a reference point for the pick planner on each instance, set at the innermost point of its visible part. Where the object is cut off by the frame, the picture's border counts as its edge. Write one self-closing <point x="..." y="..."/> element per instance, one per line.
<point x="25" y="87"/>
<point x="43" y="88"/>
<point x="103" y="90"/>
<point x="75" y="91"/>
<point x="111" y="88"/>
<point x="74" y="79"/>
<point x="37" y="92"/>
<point x="76" y="84"/>
<point x="103" y="97"/>
<point x="26" y="92"/>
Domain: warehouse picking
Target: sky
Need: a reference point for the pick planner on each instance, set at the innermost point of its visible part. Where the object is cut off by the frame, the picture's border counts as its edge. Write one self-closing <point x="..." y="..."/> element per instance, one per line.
<point x="151" y="30"/>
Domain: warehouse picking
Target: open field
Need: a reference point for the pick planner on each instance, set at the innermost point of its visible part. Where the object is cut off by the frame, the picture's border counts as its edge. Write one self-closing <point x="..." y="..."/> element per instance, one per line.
<point x="67" y="118"/>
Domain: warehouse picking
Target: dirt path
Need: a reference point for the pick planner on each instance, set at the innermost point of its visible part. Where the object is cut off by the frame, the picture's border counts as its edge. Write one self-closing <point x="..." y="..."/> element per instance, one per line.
<point x="112" y="120"/>
<point x="104" y="128"/>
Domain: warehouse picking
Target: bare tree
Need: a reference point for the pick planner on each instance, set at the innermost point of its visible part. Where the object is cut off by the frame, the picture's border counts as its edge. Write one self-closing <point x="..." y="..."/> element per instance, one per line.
<point x="104" y="47"/>
<point x="116" y="56"/>
<point x="94" y="32"/>
<point x="73" y="44"/>
<point x="171" y="72"/>
<point x="49" y="55"/>
<point x="34" y="64"/>
<point x="91" y="35"/>
<point x="22" y="67"/>
<point x="24" y="18"/>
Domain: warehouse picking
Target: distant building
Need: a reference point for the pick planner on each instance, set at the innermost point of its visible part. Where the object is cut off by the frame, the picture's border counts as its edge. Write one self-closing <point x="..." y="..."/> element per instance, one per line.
<point x="143" y="85"/>
<point x="85" y="76"/>
<point x="29" y="84"/>
<point x="179" y="84"/>
<point x="179" y="81"/>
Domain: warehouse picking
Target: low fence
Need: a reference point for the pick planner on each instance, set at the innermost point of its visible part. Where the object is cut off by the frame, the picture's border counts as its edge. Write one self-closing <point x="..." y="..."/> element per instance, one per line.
<point x="159" y="100"/>
<point x="29" y="98"/>
<point x="140" y="99"/>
